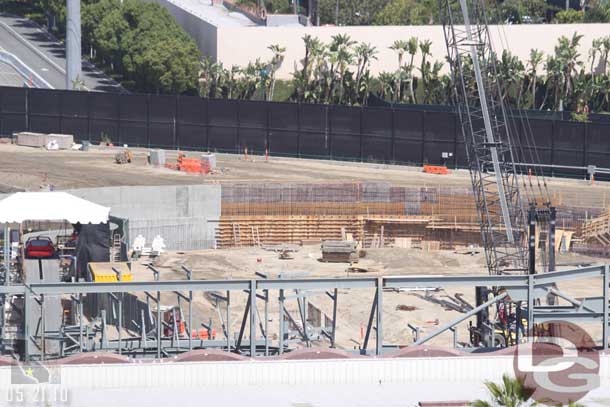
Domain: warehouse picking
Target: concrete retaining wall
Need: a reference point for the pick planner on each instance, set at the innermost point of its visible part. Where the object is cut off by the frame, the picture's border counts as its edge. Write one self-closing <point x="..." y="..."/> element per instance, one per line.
<point x="185" y="216"/>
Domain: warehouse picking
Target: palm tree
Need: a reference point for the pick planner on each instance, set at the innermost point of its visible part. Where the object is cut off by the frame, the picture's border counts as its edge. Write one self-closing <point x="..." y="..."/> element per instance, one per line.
<point x="341" y="57"/>
<point x="400" y="47"/>
<point x="364" y="53"/>
<point x="275" y="64"/>
<point x="567" y="55"/>
<point x="534" y="62"/>
<point x="424" y="69"/>
<point x="596" y="48"/>
<point x="302" y="78"/>
<point x="412" y="49"/>
<point x="510" y="393"/>
<point x="386" y="85"/>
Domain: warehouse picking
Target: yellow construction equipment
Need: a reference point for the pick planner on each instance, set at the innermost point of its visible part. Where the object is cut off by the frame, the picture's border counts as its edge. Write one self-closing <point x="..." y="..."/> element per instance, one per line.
<point x="110" y="272"/>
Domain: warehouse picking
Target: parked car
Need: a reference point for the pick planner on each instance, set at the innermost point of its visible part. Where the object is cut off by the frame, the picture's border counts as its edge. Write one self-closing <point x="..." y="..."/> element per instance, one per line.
<point x="39" y="247"/>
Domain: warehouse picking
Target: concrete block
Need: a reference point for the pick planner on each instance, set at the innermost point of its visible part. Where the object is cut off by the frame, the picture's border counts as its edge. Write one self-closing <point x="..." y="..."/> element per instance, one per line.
<point x="31" y="139"/>
<point x="64" y="141"/>
<point x="209" y="159"/>
<point x="157" y="158"/>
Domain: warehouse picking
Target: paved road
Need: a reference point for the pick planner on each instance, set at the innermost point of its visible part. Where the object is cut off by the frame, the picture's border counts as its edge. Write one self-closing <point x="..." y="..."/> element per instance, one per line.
<point x="9" y="76"/>
<point x="45" y="55"/>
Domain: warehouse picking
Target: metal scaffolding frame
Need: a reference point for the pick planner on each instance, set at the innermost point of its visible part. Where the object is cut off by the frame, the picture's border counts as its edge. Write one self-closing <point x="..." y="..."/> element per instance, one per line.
<point x="528" y="289"/>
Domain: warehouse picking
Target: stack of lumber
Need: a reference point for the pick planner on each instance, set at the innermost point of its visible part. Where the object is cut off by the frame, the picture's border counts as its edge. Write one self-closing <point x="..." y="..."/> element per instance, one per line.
<point x="597" y="229"/>
<point x="311" y="208"/>
<point x="339" y="251"/>
<point x="237" y="231"/>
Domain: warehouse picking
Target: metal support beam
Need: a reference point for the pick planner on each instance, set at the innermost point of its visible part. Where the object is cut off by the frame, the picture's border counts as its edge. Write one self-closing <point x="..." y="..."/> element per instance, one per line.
<point x="243" y="323"/>
<point x="462" y="318"/>
<point x="379" y="296"/>
<point x="7" y="253"/>
<point x="334" y="333"/>
<point x="531" y="220"/>
<point x="369" y="326"/>
<point x="157" y="277"/>
<point x="252" y="318"/>
<point x="266" y="322"/>
<point x="120" y="321"/>
<point x="282" y="321"/>
<point x="606" y="281"/>
<point x="552" y="226"/>
<point x="228" y="321"/>
<point x="530" y="305"/>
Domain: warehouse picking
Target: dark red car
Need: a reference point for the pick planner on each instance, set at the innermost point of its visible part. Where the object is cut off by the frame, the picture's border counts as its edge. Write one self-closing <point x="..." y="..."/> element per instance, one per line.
<point x="39" y="247"/>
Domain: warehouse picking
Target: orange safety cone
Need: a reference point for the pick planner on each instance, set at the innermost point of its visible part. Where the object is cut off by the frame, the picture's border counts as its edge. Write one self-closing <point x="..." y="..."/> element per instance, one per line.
<point x="266" y="154"/>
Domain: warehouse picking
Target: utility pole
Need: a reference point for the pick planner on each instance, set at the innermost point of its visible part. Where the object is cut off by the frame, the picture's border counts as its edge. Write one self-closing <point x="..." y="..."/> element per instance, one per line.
<point x="73" y="43"/>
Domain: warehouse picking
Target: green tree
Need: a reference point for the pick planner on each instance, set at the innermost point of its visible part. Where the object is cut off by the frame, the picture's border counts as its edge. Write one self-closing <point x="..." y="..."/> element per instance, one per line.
<point x="407" y="12"/>
<point x="351" y="12"/>
<point x="570" y="16"/>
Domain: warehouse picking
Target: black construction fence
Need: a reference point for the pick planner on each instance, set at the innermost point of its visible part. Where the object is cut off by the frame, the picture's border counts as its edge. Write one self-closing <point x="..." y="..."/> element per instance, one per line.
<point x="381" y="134"/>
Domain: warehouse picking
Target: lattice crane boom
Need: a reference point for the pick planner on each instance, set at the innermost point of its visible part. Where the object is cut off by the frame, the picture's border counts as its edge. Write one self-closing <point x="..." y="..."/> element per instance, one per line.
<point x="484" y="125"/>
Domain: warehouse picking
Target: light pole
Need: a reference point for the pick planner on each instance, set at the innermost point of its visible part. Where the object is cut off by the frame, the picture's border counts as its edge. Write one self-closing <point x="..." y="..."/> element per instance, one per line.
<point x="73" y="43"/>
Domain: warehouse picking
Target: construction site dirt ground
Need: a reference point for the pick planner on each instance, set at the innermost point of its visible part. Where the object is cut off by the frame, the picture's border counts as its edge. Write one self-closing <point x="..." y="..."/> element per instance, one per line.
<point x="24" y="168"/>
<point x="354" y="306"/>
<point x="27" y="168"/>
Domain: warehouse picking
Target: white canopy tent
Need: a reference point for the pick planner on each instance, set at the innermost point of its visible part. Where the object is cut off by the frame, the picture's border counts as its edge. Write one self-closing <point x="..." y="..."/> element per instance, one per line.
<point x="56" y="206"/>
<point x="47" y="206"/>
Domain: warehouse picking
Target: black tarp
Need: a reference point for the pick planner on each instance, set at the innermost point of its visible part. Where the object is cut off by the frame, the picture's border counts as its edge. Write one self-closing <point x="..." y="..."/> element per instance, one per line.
<point x="381" y="132"/>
